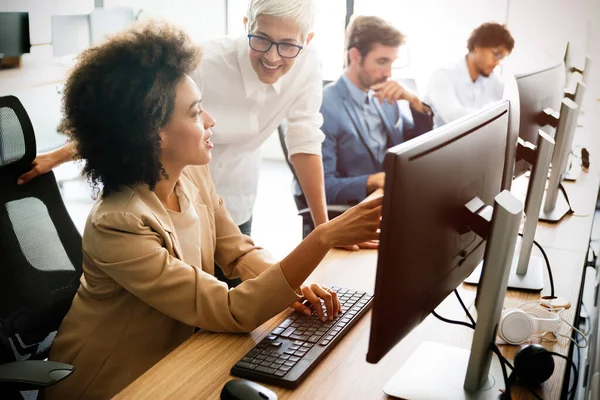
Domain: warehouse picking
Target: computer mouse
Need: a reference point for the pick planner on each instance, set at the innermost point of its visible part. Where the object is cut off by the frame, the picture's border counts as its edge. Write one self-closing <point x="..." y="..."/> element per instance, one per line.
<point x="243" y="389"/>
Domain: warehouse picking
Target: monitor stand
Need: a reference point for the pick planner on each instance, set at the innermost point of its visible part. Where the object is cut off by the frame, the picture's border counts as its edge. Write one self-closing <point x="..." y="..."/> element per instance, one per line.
<point x="533" y="279"/>
<point x="558" y="212"/>
<point x="555" y="204"/>
<point x="527" y="272"/>
<point x="420" y="377"/>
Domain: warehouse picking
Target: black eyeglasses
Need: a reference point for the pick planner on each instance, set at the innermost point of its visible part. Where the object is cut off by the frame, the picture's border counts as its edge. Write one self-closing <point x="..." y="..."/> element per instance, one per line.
<point x="262" y="44"/>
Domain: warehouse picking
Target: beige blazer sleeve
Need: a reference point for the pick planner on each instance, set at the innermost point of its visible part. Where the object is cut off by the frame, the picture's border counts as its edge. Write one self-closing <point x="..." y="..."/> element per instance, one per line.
<point x="235" y="253"/>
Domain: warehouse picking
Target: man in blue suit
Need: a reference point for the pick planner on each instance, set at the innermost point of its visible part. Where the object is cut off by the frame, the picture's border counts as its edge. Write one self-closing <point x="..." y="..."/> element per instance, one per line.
<point x="365" y="113"/>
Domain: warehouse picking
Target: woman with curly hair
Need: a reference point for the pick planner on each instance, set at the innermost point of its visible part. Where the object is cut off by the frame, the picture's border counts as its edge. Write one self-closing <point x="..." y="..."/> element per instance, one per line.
<point x="152" y="239"/>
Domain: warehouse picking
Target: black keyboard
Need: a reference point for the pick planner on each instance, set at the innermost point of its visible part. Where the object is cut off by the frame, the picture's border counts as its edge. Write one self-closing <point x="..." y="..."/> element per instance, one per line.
<point x="293" y="349"/>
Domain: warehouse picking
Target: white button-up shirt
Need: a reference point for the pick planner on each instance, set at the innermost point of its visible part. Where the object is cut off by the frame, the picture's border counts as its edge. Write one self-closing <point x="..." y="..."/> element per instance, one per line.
<point x="452" y="94"/>
<point x="248" y="111"/>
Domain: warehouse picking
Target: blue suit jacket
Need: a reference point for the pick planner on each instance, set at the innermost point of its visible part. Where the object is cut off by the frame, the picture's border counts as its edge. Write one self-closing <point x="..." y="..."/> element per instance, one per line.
<point x="347" y="158"/>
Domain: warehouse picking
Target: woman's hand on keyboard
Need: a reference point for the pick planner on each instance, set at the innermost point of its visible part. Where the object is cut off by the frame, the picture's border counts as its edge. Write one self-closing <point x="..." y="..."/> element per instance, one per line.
<point x="316" y="293"/>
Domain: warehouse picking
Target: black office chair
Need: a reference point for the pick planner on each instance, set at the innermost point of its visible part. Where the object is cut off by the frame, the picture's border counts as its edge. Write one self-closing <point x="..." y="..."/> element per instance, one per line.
<point x="301" y="203"/>
<point x="40" y="262"/>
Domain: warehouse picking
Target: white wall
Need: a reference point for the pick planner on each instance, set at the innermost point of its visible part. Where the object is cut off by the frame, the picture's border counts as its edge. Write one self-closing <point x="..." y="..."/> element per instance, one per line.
<point x="202" y="19"/>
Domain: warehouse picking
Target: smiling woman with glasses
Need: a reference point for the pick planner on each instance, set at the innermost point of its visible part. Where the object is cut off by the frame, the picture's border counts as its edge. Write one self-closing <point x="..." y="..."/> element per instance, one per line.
<point x="263" y="45"/>
<point x="242" y="78"/>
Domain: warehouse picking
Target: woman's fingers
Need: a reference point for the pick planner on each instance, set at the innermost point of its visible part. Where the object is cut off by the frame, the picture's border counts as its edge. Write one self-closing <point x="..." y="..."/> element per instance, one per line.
<point x="328" y="300"/>
<point x="301" y="308"/>
<point x="314" y="300"/>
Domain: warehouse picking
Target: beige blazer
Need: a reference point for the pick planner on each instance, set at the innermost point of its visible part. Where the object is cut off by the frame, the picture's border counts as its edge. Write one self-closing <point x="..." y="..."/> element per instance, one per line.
<point x="138" y="301"/>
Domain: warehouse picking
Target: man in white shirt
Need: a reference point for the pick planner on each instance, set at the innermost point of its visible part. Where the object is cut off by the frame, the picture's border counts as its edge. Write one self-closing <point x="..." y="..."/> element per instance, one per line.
<point x="471" y="84"/>
<point x="250" y="85"/>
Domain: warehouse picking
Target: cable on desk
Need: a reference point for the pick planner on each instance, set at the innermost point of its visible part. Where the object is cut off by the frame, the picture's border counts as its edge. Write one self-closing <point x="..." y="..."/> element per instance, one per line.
<point x="564" y="192"/>
<point x="547" y="261"/>
<point x="574" y="386"/>
<point x="450" y="321"/>
<point x="503" y="361"/>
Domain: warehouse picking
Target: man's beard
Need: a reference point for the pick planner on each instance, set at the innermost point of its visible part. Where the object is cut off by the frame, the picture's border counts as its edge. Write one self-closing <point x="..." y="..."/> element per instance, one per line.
<point x="367" y="82"/>
<point x="483" y="73"/>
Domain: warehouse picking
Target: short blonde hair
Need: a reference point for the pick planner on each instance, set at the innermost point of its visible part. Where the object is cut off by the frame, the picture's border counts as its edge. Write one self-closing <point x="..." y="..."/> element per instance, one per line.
<point x="301" y="11"/>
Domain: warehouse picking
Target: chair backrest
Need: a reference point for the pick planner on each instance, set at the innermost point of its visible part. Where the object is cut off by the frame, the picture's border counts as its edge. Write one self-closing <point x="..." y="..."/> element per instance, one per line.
<point x="40" y="248"/>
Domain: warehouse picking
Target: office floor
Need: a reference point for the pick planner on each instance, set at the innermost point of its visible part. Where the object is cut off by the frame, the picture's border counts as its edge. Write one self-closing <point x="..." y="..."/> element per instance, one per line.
<point x="276" y="226"/>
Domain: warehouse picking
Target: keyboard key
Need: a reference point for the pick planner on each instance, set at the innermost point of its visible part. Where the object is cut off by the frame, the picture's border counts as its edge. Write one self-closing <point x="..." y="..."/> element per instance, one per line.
<point x="299" y="353"/>
<point x="288" y="332"/>
<point x="270" y="359"/>
<point x="246" y="365"/>
<point x="324" y="342"/>
<point x="280" y="373"/>
<point x="247" y="359"/>
<point x="314" y="338"/>
<point x="294" y="359"/>
<point x="286" y="323"/>
<point x="289" y="363"/>
<point x="290" y="352"/>
<point x="276" y="343"/>
<point x="285" y="368"/>
<point x="266" y="370"/>
<point x="277" y="331"/>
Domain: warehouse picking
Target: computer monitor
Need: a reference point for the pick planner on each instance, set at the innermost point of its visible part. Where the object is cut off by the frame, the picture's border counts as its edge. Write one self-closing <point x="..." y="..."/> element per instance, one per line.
<point x="439" y="188"/>
<point x="539" y="88"/>
<point x="14" y="34"/>
<point x="527" y="271"/>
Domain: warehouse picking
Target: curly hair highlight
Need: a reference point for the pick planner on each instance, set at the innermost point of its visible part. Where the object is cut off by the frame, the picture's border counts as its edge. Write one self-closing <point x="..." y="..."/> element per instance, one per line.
<point x="118" y="97"/>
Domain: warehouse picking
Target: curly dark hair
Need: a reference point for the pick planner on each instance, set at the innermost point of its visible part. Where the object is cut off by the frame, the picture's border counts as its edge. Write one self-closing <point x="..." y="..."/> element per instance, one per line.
<point x="491" y="34"/>
<point x="118" y="97"/>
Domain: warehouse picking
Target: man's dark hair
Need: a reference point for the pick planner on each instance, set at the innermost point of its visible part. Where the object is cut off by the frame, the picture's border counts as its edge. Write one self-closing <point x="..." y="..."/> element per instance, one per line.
<point x="118" y="97"/>
<point x="365" y="31"/>
<point x="491" y="34"/>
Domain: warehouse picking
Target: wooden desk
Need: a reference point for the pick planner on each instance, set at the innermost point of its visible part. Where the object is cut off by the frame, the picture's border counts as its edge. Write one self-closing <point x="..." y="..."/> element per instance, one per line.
<point x="199" y="368"/>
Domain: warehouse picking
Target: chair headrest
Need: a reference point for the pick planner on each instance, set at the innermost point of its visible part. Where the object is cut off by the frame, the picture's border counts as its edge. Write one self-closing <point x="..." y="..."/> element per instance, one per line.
<point x="17" y="139"/>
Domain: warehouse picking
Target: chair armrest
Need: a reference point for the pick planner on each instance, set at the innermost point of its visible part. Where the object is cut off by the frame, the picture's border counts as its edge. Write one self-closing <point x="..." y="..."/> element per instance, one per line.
<point x="33" y="374"/>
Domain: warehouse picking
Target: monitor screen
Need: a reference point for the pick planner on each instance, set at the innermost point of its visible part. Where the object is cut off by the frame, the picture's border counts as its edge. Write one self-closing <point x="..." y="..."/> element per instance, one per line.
<point x="14" y="34"/>
<point x="538" y="89"/>
<point x="426" y="250"/>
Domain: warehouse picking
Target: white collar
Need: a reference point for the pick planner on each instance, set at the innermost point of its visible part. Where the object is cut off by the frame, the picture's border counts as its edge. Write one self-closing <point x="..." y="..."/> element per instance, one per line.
<point x="251" y="82"/>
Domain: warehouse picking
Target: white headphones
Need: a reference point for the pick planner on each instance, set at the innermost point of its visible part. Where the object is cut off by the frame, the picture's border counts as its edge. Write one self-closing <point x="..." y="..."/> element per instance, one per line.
<point x="516" y="326"/>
